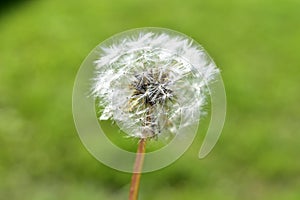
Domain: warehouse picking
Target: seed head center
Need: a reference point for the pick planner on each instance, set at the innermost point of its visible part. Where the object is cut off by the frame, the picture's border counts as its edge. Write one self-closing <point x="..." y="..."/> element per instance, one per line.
<point x="152" y="88"/>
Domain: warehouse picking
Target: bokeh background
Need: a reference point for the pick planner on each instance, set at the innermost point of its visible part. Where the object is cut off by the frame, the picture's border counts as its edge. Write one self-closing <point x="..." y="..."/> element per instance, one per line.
<point x="256" y="44"/>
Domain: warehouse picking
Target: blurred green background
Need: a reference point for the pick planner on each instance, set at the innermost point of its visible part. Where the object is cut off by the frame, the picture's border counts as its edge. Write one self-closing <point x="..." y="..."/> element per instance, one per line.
<point x="256" y="44"/>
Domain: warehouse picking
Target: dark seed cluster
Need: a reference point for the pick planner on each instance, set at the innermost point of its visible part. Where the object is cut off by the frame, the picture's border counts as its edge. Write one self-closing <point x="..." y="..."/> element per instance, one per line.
<point x="152" y="88"/>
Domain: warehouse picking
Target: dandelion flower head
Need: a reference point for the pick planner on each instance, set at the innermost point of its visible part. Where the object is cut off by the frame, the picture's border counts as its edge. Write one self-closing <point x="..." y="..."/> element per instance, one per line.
<point x="152" y="83"/>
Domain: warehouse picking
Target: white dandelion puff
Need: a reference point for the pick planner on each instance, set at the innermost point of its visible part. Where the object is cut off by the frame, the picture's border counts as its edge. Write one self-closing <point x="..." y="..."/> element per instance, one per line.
<point x="152" y="83"/>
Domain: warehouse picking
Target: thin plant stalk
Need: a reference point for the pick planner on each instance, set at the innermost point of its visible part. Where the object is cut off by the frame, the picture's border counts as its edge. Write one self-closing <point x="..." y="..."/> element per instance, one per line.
<point x="138" y="165"/>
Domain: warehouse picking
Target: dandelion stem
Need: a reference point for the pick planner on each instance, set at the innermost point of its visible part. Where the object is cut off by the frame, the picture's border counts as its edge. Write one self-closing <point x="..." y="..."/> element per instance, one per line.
<point x="138" y="165"/>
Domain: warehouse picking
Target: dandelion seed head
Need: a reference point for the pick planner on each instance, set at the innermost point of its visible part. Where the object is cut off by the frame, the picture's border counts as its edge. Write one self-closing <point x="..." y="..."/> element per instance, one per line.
<point x="152" y="83"/>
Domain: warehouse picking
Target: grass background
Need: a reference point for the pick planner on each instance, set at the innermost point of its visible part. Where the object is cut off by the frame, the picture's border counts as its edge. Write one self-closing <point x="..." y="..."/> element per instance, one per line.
<point x="256" y="44"/>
